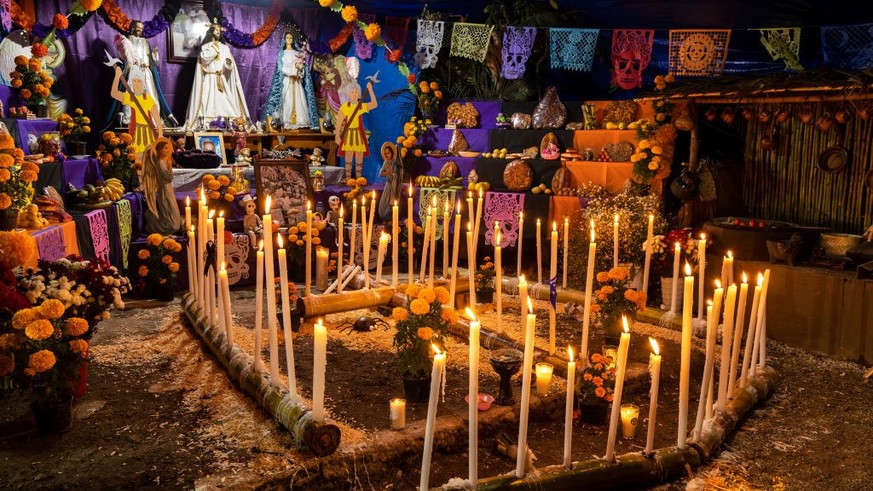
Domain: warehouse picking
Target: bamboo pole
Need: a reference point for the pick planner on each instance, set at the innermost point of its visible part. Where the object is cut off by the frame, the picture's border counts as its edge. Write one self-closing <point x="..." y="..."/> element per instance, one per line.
<point x="321" y="305"/>
<point x="322" y="439"/>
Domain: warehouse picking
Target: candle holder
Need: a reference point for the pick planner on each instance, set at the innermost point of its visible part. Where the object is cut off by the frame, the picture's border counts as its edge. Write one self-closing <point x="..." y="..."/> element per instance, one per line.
<point x="630" y="414"/>
<point x="544" y="377"/>
<point x="506" y="363"/>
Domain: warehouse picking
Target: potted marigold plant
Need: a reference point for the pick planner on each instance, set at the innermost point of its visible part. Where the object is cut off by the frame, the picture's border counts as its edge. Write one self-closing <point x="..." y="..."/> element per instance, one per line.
<point x="219" y="192"/>
<point x="429" y="97"/>
<point x="159" y="270"/>
<point x="615" y="298"/>
<point x="73" y="129"/>
<point x="16" y="182"/>
<point x="485" y="277"/>
<point x="292" y="301"/>
<point x="117" y="157"/>
<point x="423" y="322"/>
<point x="32" y="83"/>
<point x="595" y="383"/>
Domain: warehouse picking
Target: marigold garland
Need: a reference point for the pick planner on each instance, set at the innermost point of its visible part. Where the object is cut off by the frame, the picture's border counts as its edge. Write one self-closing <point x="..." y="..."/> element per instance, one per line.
<point x="91" y="5"/>
<point x="325" y="3"/>
<point x="349" y="14"/>
<point x="341" y="38"/>
<point x="372" y="32"/>
<point x="60" y="21"/>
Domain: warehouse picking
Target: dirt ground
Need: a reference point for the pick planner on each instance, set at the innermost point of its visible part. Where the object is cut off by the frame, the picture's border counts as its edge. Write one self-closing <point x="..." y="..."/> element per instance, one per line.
<point x="160" y="412"/>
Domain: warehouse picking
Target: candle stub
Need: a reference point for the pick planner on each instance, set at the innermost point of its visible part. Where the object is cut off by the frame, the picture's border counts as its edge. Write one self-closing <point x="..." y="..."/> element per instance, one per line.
<point x="544" y="377"/>
<point x="398" y="414"/>
<point x="630" y="413"/>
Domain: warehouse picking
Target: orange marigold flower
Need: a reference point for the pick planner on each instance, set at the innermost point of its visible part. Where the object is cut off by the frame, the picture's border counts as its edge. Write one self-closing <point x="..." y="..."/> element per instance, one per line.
<point x="419" y="307"/>
<point x="28" y="176"/>
<point x="412" y="291"/>
<point x="167" y="259"/>
<point x="154" y="239"/>
<point x="588" y="377"/>
<point x="39" y="329"/>
<point x="24" y="317"/>
<point x="425" y="333"/>
<point x="52" y="309"/>
<point x="427" y="294"/>
<point x="79" y="346"/>
<point x="143" y="271"/>
<point x="5" y="201"/>
<point x="607" y="290"/>
<point x="631" y="295"/>
<point x="143" y="254"/>
<point x="41" y="361"/>
<point x="39" y="50"/>
<point x="173" y="267"/>
<point x="602" y="277"/>
<point x="399" y="314"/>
<point x="596" y="358"/>
<point x="75" y="326"/>
<point x="372" y="33"/>
<point x="442" y="294"/>
<point x="349" y="14"/>
<point x="597" y="381"/>
<point x="600" y="392"/>
<point x="213" y="185"/>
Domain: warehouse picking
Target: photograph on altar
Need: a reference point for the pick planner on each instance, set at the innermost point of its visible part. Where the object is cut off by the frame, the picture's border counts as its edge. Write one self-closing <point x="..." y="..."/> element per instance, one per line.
<point x="210" y="142"/>
<point x="186" y="33"/>
<point x="288" y="182"/>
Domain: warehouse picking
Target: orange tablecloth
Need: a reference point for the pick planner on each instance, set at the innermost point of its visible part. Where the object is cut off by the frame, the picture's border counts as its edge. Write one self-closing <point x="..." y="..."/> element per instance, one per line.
<point x="563" y="206"/>
<point x="68" y="229"/>
<point x="611" y="175"/>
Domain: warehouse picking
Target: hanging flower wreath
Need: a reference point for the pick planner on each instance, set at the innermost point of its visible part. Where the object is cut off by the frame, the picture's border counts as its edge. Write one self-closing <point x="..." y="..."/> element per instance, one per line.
<point x="63" y="26"/>
<point x="372" y="32"/>
<point x="157" y="25"/>
<point x="349" y="14"/>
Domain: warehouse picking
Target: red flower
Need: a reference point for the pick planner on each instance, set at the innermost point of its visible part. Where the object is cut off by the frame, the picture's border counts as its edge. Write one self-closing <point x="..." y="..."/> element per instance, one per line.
<point x="60" y="21"/>
<point x="394" y="56"/>
<point x="38" y="50"/>
<point x="411" y="78"/>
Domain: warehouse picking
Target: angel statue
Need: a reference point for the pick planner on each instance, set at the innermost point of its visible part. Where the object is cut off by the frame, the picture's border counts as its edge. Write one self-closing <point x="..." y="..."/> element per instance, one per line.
<point x="217" y="91"/>
<point x="292" y="97"/>
<point x="162" y="216"/>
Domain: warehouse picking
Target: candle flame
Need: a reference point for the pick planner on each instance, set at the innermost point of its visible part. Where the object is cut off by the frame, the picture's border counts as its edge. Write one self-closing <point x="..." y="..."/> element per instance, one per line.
<point x="521" y="215"/>
<point x="187" y="201"/>
<point x="385" y="236"/>
<point x="343" y="211"/>
<point x="703" y="237"/>
<point x="554" y="226"/>
<point x="760" y="279"/>
<point x="223" y="266"/>
<point x="529" y="306"/>
<point x="436" y="349"/>
<point x="480" y="193"/>
<point x="280" y="241"/>
<point x="320" y="321"/>
<point x="202" y="195"/>
<point x="624" y="323"/>
<point x="433" y="201"/>
<point x="655" y="347"/>
<point x="730" y="254"/>
<point x="469" y="195"/>
<point x="470" y="314"/>
<point x="677" y="246"/>
<point x="469" y="227"/>
<point x="592" y="232"/>
<point x="745" y="278"/>
<point x="261" y="245"/>
<point x="717" y="284"/>
<point x="448" y="206"/>
<point x="687" y="269"/>
<point x="221" y="214"/>
<point x="308" y="205"/>
<point x="709" y="303"/>
<point x="497" y="240"/>
<point x="459" y="207"/>
<point x="538" y="222"/>
<point x="192" y="229"/>
<point x="267" y="205"/>
<point x="521" y="280"/>
<point x="616" y="218"/>
<point x="566" y="221"/>
<point x="570" y="353"/>
<point x="211" y="214"/>
<point x="395" y="202"/>
<point x="374" y="195"/>
<point x="410" y="189"/>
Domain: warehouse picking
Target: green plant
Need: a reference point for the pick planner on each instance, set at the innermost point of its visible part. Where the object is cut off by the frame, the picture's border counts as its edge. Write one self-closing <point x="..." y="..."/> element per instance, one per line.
<point x="16" y="176"/>
<point x="422" y="322"/>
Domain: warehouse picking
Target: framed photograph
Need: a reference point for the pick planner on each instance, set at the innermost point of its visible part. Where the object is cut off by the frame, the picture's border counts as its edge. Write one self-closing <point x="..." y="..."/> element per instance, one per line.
<point x="186" y="33"/>
<point x="288" y="182"/>
<point x="211" y="141"/>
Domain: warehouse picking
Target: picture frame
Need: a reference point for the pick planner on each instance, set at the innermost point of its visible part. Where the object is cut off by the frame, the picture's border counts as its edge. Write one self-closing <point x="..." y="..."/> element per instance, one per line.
<point x="288" y="182"/>
<point x="186" y="32"/>
<point x="211" y="141"/>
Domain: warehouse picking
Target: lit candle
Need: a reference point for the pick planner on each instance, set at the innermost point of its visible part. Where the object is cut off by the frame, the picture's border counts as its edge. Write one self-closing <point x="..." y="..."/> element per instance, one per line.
<point x="544" y="377"/>
<point x="471" y="211"/>
<point x="339" y="245"/>
<point x="473" y="398"/>
<point x="677" y="252"/>
<point x="395" y="243"/>
<point x="447" y="209"/>
<point x="615" y="242"/>
<point x="319" y="365"/>
<point x="655" y="370"/>
<point x="380" y="258"/>
<point x="286" y="317"/>
<point x="365" y="242"/>
<point x="629" y="416"/>
<point x="539" y="252"/>
<point x="620" y="369"/>
<point x="455" y="243"/>
<point x="701" y="264"/>
<point x="738" y="332"/>
<point x="259" y="305"/>
<point x="191" y="257"/>
<point x="685" y="363"/>
<point x="553" y="277"/>
<point x="759" y="353"/>
<point x="718" y="302"/>
<point x="372" y="218"/>
<point x="478" y="222"/>
<point x="308" y="280"/>
<point x="224" y="286"/>
<point x="471" y="267"/>
<point x="521" y="457"/>
<point x="271" y="293"/>
<point x="727" y="337"/>
<point x="519" y="242"/>
<point x="219" y="238"/>
<point x="187" y="212"/>
<point x="354" y="234"/>
<point x="589" y="285"/>
<point x="398" y="413"/>
<point x="498" y="283"/>
<point x="201" y="250"/>
<point x="522" y="296"/>
<point x="210" y="277"/>
<point x="568" y="407"/>
<point x="433" y="227"/>
<point x="426" y="244"/>
<point x="750" y="335"/>
<point x="436" y="375"/>
<point x="707" y="369"/>
<point x="727" y="269"/>
<point x="566" y="249"/>
<point x="410" y="226"/>
<point x="321" y="259"/>
<point x="649" y="238"/>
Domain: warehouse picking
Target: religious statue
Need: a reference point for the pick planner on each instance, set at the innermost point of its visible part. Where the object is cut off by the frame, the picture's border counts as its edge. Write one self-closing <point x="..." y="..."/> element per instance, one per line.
<point x="145" y="124"/>
<point x="327" y="93"/>
<point x="217" y="90"/>
<point x="392" y="171"/>
<point x="141" y="61"/>
<point x="350" y="134"/>
<point x="162" y="214"/>
<point x="292" y="98"/>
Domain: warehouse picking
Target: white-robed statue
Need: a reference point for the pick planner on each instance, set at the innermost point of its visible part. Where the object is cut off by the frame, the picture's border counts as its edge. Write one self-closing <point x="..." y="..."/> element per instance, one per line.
<point x="292" y="97"/>
<point x="217" y="90"/>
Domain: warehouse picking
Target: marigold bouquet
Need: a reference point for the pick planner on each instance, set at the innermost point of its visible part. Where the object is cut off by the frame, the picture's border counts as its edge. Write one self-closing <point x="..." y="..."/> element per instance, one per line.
<point x="218" y="190"/>
<point x="297" y="237"/>
<point x="357" y="188"/>
<point x="615" y="298"/>
<point x="32" y="82"/>
<point x="117" y="157"/>
<point x="292" y="292"/>
<point x="422" y="322"/>
<point x="16" y="176"/>
<point x="409" y="143"/>
<point x="654" y="150"/>
<point x="429" y="97"/>
<point x="72" y="128"/>
<point x="160" y="266"/>
<point x="485" y="275"/>
<point x="596" y="381"/>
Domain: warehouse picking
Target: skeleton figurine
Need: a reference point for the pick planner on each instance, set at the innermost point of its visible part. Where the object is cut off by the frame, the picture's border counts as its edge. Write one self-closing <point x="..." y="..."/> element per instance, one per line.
<point x="429" y="42"/>
<point x="333" y="215"/>
<point x="252" y="224"/>
<point x="517" y="45"/>
<point x="631" y="53"/>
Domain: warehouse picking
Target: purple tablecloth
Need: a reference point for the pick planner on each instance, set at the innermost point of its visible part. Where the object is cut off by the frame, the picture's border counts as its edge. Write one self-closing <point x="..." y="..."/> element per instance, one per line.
<point x="82" y="171"/>
<point x="21" y="128"/>
<point x="440" y="138"/>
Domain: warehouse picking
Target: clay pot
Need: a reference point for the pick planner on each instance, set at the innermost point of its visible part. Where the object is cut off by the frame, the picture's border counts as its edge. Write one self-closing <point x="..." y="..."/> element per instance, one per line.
<point x="748" y="113"/>
<point x="727" y="115"/>
<point x="764" y="116"/>
<point x="843" y="115"/>
<point x="766" y="144"/>
<point x="806" y="114"/>
<point x="783" y="114"/>
<point x="865" y="111"/>
<point x="711" y="113"/>
<point x="684" y="123"/>
<point x="824" y="122"/>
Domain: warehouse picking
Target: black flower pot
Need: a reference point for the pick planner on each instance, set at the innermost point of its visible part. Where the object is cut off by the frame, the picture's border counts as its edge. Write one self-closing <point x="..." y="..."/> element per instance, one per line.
<point x="593" y="412"/>
<point x="416" y="390"/>
<point x="53" y="416"/>
<point x="485" y="296"/>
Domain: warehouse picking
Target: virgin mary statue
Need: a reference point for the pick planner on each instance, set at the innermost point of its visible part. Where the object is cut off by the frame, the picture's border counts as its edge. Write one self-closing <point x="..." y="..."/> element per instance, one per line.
<point x="292" y="97"/>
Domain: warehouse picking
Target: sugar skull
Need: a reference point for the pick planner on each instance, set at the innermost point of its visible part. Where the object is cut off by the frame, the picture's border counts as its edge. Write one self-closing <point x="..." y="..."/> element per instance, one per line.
<point x="236" y="254"/>
<point x="517" y="45"/>
<point x="429" y="42"/>
<point x="631" y="53"/>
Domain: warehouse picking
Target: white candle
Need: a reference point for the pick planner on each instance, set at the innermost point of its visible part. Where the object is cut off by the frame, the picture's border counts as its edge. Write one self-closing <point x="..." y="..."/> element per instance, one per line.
<point x="210" y="278"/>
<point x="187" y="212"/>
<point x="191" y="257"/>
<point x="433" y="228"/>
<point x="422" y="275"/>
<point x="615" y="242"/>
<point x="498" y="283"/>
<point x="354" y="234"/>
<point x="398" y="413"/>
<point x="321" y="259"/>
<point x="471" y="267"/>
<point x="649" y="238"/>
<point x="271" y="294"/>
<point x="522" y="296"/>
<point x="365" y="242"/>
<point x="473" y="396"/>
<point x="383" y="248"/>
<point x="727" y="269"/>
<point x="750" y="336"/>
<point x="520" y="239"/>
<point x="759" y="353"/>
<point x="319" y="365"/>
<point x="566" y="249"/>
<point x="455" y="243"/>
<point x="339" y="244"/>
<point x="286" y="318"/>
<point x="677" y="252"/>
<point x="718" y="302"/>
<point x="259" y="305"/>
<point x="655" y="370"/>
<point x="478" y="222"/>
<point x="701" y="265"/>
<point x="436" y="375"/>
<point x="219" y="238"/>
<point x="685" y="364"/>
<point x="395" y="243"/>
<point x="410" y="226"/>
<point x="707" y="370"/>
<point x="738" y="333"/>
<point x="568" y="408"/>
<point x="620" y="369"/>
<point x="446" y="212"/>
<point x="544" y="377"/>
<point x="371" y="220"/>
<point x="471" y="213"/>
<point x="521" y="457"/>
<point x="539" y="251"/>
<point x="589" y="285"/>
<point x="224" y="286"/>
<point x="201" y="250"/>
<point x="308" y="262"/>
<point x="727" y="338"/>
<point x="553" y="276"/>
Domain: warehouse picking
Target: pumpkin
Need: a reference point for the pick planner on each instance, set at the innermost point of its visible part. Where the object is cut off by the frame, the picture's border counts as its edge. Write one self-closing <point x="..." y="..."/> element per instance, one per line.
<point x="450" y="169"/>
<point x="561" y="179"/>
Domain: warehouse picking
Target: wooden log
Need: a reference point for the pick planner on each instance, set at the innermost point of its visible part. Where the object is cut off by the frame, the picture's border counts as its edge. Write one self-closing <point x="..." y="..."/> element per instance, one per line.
<point x="322" y="439"/>
<point x="320" y="305"/>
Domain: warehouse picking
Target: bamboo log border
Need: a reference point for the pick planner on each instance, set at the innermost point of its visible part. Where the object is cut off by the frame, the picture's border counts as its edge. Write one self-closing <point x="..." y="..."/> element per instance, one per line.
<point x="289" y="412"/>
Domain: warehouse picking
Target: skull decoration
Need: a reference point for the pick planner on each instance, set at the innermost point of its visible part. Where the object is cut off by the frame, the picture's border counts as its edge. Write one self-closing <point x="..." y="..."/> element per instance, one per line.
<point x="333" y="215"/>
<point x="517" y="44"/>
<point x="236" y="254"/>
<point x="631" y="53"/>
<point x="429" y="42"/>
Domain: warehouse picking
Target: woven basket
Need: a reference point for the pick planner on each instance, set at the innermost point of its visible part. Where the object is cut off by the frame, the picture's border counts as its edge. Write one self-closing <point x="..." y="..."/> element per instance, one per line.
<point x="838" y="244"/>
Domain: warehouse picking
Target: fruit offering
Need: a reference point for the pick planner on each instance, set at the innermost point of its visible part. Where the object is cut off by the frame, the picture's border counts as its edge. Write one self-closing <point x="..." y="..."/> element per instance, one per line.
<point x="112" y="189"/>
<point x="603" y="156"/>
<point x="497" y="153"/>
